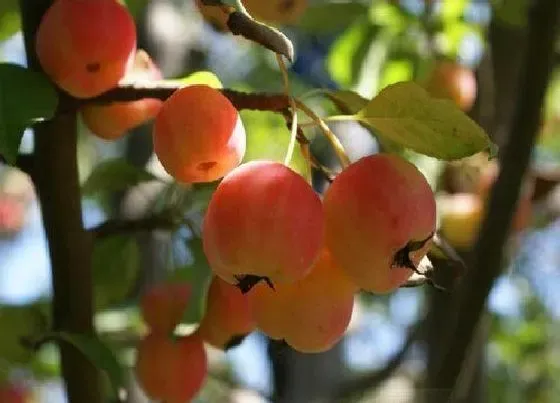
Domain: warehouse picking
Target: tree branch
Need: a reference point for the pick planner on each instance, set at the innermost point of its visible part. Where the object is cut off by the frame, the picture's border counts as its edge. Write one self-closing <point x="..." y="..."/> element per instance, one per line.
<point x="144" y="224"/>
<point x="488" y="252"/>
<point x="367" y="382"/>
<point x="57" y="182"/>
<point x="25" y="162"/>
<point x="162" y="91"/>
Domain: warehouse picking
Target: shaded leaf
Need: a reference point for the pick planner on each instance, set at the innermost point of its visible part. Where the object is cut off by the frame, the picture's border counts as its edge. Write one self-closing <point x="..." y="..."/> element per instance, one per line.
<point x="97" y="353"/>
<point x="329" y="17"/>
<point x="406" y="114"/>
<point x="114" y="175"/>
<point x="116" y="263"/>
<point x="348" y="102"/>
<point x="198" y="274"/>
<point x="25" y="97"/>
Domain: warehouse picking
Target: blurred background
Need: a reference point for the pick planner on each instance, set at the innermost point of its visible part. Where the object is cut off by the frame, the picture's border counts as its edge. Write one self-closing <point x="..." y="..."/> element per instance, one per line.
<point x="392" y="344"/>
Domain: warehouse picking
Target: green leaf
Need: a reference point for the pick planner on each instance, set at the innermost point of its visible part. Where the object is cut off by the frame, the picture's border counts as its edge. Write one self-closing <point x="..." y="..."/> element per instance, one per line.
<point x="452" y="11"/>
<point x="198" y="77"/>
<point x="198" y="274"/>
<point x="97" y="353"/>
<point x="17" y="323"/>
<point x="136" y="7"/>
<point x="116" y="264"/>
<point x="404" y="113"/>
<point x="511" y="12"/>
<point x="114" y="175"/>
<point x="347" y="55"/>
<point x="10" y="18"/>
<point x="350" y="103"/>
<point x="329" y="17"/>
<point x="25" y="98"/>
<point x="268" y="138"/>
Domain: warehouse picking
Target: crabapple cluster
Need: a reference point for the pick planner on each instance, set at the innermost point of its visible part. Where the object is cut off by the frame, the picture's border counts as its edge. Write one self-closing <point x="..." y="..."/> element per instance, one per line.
<point x="285" y="261"/>
<point x="299" y="260"/>
<point x="171" y="369"/>
<point x="88" y="47"/>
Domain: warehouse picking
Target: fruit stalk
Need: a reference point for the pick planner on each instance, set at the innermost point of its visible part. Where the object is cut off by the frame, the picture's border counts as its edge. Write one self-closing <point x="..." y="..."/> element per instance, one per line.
<point x="57" y="182"/>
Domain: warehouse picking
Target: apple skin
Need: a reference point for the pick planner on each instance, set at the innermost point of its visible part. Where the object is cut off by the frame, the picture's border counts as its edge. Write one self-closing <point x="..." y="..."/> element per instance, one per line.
<point x="263" y="220"/>
<point x="111" y="122"/>
<point x="198" y="135"/>
<point x="373" y="210"/>
<point x="454" y="82"/>
<point x="86" y="46"/>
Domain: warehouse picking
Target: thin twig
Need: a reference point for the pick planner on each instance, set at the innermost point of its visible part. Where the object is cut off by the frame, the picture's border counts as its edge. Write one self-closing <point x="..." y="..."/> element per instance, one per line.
<point x="123" y="226"/>
<point x="335" y="142"/>
<point x="366" y="382"/>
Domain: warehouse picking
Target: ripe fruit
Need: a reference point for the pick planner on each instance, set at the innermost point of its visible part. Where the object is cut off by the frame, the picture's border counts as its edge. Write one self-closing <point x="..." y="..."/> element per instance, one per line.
<point x="171" y="370"/>
<point x="453" y="81"/>
<point x="12" y="214"/>
<point x="312" y="314"/>
<point x="11" y="393"/>
<point x="85" y="46"/>
<point x="263" y="220"/>
<point x="198" y="135"/>
<point x="112" y="121"/>
<point x="374" y="209"/>
<point x="460" y="218"/>
<point x="162" y="306"/>
<point x="276" y="11"/>
<point x="228" y="318"/>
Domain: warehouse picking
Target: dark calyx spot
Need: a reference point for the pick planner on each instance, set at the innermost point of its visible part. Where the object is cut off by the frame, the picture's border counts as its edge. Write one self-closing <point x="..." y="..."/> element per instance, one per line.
<point x="247" y="282"/>
<point x="234" y="341"/>
<point x="402" y="257"/>
<point x="93" y="67"/>
<point x="285" y="6"/>
<point x="206" y="166"/>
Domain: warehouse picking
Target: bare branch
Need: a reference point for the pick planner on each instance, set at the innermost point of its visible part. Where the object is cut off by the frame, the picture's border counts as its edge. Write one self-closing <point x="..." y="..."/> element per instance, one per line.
<point x="123" y="226"/>
<point x="270" y="38"/>
<point x="367" y="382"/>
<point x="488" y="251"/>
<point x="161" y="90"/>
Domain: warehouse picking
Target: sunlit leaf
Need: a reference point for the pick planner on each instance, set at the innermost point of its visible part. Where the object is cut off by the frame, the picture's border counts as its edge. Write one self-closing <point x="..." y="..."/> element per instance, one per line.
<point x="347" y="54"/>
<point x="97" y="353"/>
<point x="198" y="77"/>
<point x="405" y="114"/>
<point x="350" y="103"/>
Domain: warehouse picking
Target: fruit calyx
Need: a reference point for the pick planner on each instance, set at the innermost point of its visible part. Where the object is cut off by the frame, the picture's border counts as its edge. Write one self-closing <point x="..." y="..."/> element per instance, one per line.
<point x="402" y="257"/>
<point x="234" y="342"/>
<point x="246" y="282"/>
